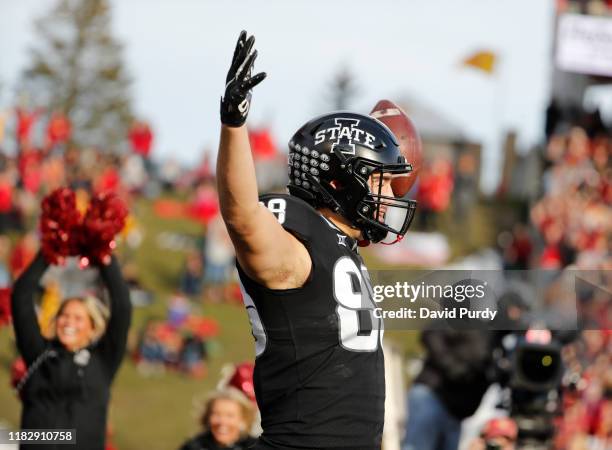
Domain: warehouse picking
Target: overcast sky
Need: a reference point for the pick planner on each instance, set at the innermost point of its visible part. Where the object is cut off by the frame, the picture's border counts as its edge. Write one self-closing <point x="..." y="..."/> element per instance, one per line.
<point x="178" y="52"/>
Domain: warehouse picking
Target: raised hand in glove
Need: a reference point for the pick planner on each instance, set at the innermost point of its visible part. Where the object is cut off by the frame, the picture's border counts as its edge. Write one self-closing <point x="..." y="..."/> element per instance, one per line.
<point x="236" y="101"/>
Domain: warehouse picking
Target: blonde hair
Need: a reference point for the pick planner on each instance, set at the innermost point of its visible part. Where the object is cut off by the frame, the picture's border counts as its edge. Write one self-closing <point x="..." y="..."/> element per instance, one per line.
<point x="98" y="314"/>
<point x="233" y="394"/>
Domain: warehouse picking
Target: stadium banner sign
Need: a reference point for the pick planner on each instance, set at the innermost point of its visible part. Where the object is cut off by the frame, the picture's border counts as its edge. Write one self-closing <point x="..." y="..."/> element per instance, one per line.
<point x="584" y="44"/>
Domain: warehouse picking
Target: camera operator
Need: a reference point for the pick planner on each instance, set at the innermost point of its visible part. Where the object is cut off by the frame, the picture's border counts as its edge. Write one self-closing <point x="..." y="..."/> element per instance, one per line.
<point x="529" y="367"/>
<point x="449" y="388"/>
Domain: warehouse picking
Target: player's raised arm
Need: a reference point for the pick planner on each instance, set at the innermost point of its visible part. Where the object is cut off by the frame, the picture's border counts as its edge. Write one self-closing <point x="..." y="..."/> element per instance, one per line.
<point x="266" y="252"/>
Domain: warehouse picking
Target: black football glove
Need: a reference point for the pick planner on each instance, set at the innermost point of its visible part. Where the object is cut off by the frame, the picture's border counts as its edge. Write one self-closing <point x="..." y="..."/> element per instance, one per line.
<point x="236" y="101"/>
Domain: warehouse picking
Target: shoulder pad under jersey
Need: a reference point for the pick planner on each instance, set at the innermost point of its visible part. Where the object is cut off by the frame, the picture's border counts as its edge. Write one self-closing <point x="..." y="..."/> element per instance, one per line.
<point x="294" y="214"/>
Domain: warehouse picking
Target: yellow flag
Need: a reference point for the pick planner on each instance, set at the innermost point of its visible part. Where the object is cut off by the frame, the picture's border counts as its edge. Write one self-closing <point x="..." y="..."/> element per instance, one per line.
<point x="482" y="60"/>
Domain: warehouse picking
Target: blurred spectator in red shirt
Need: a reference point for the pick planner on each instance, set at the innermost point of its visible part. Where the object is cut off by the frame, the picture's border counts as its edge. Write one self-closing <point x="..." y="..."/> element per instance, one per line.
<point x="6" y="196"/>
<point x="23" y="253"/>
<point x="59" y="129"/>
<point x="262" y="144"/>
<point x="517" y="253"/>
<point x="434" y="189"/>
<point x="25" y="122"/>
<point x="109" y="179"/>
<point x="205" y="206"/>
<point x="141" y="138"/>
<point x="29" y="168"/>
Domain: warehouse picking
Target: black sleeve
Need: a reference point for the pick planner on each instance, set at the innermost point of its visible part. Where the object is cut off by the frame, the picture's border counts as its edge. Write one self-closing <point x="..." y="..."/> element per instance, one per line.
<point x="198" y="442"/>
<point x="113" y="342"/>
<point x="189" y="445"/>
<point x="25" y="322"/>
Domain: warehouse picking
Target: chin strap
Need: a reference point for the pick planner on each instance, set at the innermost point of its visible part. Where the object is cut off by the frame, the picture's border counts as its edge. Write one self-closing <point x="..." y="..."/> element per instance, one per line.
<point x="366" y="242"/>
<point x="397" y="239"/>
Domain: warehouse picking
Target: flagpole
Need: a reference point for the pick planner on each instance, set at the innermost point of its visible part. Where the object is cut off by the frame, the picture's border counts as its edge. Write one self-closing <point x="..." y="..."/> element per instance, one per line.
<point x="499" y="102"/>
<point x="485" y="61"/>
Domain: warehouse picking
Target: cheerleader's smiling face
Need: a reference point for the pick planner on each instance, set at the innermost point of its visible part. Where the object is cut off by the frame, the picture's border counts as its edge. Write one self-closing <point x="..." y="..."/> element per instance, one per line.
<point x="226" y="421"/>
<point x="74" y="327"/>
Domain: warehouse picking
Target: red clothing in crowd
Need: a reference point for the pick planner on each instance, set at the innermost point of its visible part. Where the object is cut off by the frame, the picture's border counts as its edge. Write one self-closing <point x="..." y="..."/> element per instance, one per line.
<point x="6" y="197"/>
<point x="22" y="255"/>
<point x="109" y="180"/>
<point x="58" y="129"/>
<point x="435" y="189"/>
<point x="205" y="206"/>
<point x="141" y="138"/>
<point x="29" y="169"/>
<point x="25" y="121"/>
<point x="551" y="257"/>
<point x="18" y="370"/>
<point x="31" y="180"/>
<point x="522" y="247"/>
<point x="5" y="306"/>
<point x="262" y="144"/>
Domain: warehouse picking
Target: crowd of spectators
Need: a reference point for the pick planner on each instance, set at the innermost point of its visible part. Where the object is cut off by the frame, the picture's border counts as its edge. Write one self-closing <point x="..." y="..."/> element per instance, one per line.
<point x="574" y="216"/>
<point x="570" y="233"/>
<point x="38" y="155"/>
<point x="570" y="227"/>
<point x="180" y="342"/>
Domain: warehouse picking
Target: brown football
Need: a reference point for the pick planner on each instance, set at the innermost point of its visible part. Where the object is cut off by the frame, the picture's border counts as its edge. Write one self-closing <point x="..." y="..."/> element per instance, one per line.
<point x="408" y="138"/>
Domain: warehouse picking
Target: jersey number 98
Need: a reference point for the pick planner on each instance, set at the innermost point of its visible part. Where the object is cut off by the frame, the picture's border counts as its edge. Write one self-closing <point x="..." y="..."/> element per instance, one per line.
<point x="359" y="329"/>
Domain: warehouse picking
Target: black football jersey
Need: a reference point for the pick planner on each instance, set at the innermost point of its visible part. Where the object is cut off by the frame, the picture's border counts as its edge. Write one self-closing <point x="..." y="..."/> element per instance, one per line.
<point x="319" y="370"/>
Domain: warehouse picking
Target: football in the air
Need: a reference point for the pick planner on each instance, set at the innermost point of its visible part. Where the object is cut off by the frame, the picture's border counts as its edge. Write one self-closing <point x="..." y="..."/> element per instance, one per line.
<point x="408" y="138"/>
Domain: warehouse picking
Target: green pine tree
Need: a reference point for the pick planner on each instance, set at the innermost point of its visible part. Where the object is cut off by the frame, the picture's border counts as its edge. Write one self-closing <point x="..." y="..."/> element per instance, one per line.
<point x="76" y="68"/>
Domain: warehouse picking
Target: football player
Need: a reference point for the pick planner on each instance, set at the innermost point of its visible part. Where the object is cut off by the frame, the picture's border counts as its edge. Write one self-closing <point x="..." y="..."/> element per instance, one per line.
<point x="319" y="370"/>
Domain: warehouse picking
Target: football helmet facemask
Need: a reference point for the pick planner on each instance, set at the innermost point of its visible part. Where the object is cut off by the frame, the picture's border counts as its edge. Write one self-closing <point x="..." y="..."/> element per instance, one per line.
<point x="342" y="161"/>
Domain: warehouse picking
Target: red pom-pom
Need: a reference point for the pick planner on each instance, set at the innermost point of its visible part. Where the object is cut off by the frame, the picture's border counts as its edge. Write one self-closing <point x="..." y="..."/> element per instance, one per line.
<point x="59" y="226"/>
<point x="104" y="219"/>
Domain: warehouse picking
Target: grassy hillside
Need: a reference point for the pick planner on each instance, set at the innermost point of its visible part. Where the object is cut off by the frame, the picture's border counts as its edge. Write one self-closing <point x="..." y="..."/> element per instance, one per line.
<point x="156" y="410"/>
<point x="157" y="413"/>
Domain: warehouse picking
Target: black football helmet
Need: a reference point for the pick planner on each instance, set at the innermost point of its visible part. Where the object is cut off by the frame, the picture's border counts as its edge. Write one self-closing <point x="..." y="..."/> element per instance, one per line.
<point x="331" y="159"/>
